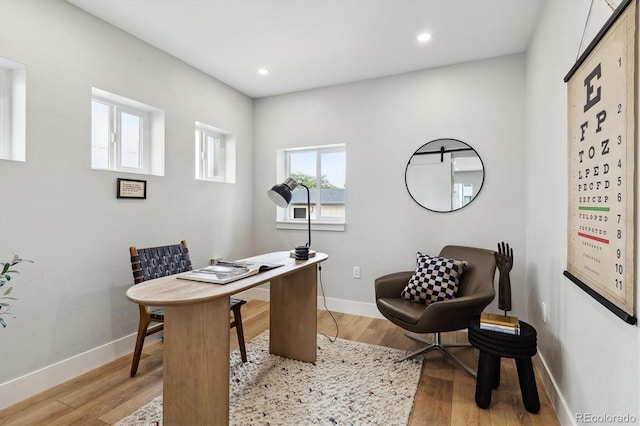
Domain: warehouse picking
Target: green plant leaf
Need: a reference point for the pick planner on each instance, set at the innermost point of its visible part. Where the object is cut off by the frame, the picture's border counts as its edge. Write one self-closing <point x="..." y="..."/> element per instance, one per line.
<point x="6" y="276"/>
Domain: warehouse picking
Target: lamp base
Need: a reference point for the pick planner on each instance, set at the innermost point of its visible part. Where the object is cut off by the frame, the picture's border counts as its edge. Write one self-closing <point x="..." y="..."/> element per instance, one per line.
<point x="309" y="254"/>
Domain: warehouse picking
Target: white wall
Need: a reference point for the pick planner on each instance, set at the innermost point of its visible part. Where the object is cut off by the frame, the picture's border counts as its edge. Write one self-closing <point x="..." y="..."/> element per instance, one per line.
<point x="592" y="355"/>
<point x="57" y="211"/>
<point x="382" y="122"/>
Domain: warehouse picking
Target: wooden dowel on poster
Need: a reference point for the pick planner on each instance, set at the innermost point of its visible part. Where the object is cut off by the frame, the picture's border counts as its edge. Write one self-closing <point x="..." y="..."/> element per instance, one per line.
<point x="626" y="317"/>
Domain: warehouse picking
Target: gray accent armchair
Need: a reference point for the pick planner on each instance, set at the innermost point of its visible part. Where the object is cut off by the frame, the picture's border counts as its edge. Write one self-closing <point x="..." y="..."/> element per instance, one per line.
<point x="475" y="292"/>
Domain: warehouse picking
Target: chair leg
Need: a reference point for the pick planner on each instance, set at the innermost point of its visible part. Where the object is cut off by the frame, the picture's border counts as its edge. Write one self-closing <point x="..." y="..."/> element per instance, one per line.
<point x="237" y="316"/>
<point x="436" y="345"/>
<point x="444" y="345"/>
<point x="142" y="333"/>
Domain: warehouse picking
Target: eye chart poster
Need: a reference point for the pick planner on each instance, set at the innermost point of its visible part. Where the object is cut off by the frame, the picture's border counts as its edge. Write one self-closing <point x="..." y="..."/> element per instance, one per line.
<point x="601" y="126"/>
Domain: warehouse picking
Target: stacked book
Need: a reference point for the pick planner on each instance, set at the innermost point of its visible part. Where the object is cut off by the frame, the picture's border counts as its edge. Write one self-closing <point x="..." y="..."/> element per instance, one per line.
<point x="499" y="323"/>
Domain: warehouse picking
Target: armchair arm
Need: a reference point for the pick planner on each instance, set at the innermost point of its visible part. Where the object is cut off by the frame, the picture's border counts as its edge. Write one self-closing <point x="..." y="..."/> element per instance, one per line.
<point x="391" y="285"/>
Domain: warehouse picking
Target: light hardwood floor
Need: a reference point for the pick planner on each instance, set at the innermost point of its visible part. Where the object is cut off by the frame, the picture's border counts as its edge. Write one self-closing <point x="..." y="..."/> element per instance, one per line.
<point x="445" y="395"/>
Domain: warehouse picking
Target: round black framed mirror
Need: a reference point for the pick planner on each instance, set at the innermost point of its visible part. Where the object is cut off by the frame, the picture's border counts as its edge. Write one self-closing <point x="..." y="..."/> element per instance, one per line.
<point x="444" y="175"/>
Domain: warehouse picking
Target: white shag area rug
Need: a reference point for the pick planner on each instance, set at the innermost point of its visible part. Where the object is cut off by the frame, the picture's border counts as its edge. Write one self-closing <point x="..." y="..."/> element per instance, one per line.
<point x="351" y="383"/>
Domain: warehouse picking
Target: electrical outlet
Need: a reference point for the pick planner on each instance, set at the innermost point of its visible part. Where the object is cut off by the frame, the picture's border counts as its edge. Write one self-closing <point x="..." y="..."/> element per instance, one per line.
<point x="356" y="272"/>
<point x="544" y="312"/>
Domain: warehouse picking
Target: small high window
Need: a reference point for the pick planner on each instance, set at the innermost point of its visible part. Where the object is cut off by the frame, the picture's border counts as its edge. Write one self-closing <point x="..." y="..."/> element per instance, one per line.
<point x="13" y="111"/>
<point x="126" y="135"/>
<point x="215" y="154"/>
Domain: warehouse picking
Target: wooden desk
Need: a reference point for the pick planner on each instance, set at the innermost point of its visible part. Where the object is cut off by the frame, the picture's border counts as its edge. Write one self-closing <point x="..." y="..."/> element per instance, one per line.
<point x="196" y="332"/>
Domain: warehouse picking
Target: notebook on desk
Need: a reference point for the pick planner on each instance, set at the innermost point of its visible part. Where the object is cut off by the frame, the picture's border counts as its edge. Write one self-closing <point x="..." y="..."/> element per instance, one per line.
<point x="224" y="272"/>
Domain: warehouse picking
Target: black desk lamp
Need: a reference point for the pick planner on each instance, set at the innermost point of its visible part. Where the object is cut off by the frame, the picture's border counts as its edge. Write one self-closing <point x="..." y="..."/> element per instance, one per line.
<point x="281" y="195"/>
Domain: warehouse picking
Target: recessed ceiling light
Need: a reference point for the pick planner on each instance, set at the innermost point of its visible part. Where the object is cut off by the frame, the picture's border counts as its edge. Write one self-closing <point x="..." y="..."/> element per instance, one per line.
<point x="263" y="71"/>
<point x="424" y="37"/>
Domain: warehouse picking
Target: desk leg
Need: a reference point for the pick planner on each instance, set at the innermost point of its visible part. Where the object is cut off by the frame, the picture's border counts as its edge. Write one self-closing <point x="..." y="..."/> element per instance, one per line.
<point x="293" y="315"/>
<point x="487" y="365"/>
<point x="528" y="387"/>
<point x="196" y="364"/>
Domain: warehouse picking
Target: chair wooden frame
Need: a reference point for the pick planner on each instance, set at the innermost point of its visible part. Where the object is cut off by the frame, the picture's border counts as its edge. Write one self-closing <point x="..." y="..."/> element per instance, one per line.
<point x="181" y="262"/>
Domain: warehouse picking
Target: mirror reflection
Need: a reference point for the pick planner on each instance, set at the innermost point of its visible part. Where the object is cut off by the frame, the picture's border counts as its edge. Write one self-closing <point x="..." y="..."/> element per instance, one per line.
<point x="444" y="175"/>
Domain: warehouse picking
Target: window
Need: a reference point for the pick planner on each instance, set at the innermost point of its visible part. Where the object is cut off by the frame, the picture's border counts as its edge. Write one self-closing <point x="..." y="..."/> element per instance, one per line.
<point x="126" y="135"/>
<point x="323" y="170"/>
<point x="215" y="154"/>
<point x="13" y="111"/>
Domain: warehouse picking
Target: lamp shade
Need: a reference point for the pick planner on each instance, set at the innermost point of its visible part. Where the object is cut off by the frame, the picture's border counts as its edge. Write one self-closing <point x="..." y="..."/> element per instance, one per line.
<point x="280" y="194"/>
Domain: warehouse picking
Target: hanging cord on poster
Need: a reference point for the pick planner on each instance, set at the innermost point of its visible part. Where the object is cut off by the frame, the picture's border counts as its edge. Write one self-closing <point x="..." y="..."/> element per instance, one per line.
<point x="584" y="30"/>
<point x="611" y="5"/>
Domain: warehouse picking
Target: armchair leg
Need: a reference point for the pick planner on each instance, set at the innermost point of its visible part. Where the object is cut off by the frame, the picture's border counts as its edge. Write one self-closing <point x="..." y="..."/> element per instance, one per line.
<point x="415" y="354"/>
<point x="436" y="345"/>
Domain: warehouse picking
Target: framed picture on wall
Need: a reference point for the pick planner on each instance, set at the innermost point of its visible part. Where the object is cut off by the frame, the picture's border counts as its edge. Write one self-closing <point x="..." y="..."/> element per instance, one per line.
<point x="601" y="94"/>
<point x="132" y="188"/>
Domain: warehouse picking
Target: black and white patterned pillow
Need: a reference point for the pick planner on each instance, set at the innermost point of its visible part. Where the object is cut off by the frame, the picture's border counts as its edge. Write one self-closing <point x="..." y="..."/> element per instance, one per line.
<point x="435" y="279"/>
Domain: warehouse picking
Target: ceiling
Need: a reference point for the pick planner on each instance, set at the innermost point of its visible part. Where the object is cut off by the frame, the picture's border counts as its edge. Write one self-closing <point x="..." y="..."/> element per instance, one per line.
<point x="307" y="44"/>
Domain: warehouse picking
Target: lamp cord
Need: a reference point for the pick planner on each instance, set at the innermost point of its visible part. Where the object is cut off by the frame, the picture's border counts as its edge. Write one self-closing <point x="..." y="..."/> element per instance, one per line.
<point x="324" y="299"/>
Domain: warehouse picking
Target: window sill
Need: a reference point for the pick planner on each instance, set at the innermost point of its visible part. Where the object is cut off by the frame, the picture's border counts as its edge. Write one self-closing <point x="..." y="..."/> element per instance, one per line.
<point x="132" y="171"/>
<point x="315" y="226"/>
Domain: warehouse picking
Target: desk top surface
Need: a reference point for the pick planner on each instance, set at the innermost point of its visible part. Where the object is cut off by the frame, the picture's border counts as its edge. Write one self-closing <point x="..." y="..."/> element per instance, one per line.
<point x="171" y="291"/>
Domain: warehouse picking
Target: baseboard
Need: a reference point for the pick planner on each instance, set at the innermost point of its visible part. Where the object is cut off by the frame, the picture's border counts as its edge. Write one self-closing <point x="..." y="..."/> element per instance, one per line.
<point x="21" y="388"/>
<point x="565" y="417"/>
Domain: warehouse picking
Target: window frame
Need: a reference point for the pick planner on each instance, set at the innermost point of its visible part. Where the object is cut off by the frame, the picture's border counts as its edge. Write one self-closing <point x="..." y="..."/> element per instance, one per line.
<point x="226" y="154"/>
<point x="204" y="157"/>
<point x="115" y="111"/>
<point x="13" y="115"/>
<point x="151" y="134"/>
<point x="285" y="217"/>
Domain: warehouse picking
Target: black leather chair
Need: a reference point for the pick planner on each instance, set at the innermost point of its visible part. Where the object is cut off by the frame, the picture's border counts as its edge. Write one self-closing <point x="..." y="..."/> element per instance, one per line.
<point x="155" y="262"/>
<point x="475" y="292"/>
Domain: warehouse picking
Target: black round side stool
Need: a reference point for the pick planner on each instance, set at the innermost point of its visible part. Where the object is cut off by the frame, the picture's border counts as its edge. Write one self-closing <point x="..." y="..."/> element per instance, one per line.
<point x="494" y="345"/>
